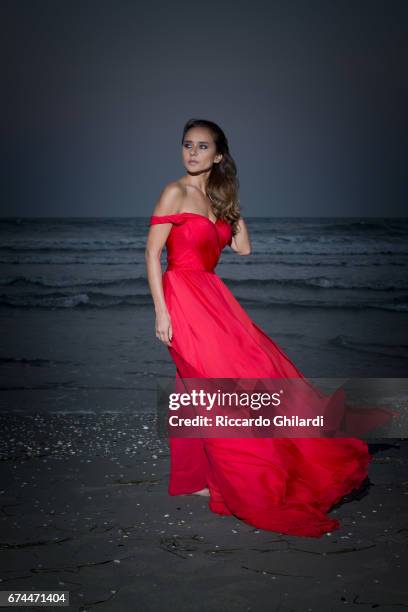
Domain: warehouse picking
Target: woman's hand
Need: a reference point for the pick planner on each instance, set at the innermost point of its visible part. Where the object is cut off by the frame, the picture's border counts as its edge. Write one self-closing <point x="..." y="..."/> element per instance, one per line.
<point x="164" y="330"/>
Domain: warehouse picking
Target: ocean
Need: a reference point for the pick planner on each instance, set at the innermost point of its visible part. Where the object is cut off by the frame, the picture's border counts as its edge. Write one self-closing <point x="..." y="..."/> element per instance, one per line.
<point x="78" y="320"/>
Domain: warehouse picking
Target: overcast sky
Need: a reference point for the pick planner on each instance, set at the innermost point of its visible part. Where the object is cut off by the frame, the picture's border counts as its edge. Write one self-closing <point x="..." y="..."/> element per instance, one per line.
<point x="312" y="96"/>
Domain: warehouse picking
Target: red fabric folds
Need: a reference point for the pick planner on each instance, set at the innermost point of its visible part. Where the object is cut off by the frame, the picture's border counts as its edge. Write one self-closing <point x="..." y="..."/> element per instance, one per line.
<point x="286" y="485"/>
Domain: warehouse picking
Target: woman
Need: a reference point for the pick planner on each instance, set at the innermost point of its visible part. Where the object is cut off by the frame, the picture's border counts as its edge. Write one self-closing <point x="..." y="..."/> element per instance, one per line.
<point x="280" y="484"/>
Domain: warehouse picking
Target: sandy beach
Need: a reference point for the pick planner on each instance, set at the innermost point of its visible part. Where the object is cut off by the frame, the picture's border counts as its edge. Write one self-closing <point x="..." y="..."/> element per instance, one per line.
<point x="85" y="508"/>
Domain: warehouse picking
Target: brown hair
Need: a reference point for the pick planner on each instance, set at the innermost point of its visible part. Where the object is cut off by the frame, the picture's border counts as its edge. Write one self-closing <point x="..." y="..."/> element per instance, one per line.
<point x="222" y="184"/>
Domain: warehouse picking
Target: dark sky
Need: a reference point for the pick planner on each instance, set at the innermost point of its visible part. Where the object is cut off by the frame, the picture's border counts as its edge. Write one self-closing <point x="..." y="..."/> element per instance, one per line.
<point x="312" y="96"/>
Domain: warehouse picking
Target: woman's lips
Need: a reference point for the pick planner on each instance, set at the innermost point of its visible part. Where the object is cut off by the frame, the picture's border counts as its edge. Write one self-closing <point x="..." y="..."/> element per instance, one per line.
<point x="192" y="161"/>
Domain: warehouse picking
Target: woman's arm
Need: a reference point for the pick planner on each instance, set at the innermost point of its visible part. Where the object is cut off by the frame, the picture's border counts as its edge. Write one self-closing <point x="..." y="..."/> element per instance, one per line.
<point x="168" y="204"/>
<point x="241" y="243"/>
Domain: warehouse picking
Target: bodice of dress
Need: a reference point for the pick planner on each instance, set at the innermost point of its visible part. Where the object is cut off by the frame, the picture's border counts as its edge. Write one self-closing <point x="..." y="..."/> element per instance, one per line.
<point x="194" y="242"/>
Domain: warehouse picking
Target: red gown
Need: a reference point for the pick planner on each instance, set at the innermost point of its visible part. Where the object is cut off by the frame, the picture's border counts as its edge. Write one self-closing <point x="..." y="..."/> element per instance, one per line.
<point x="286" y="485"/>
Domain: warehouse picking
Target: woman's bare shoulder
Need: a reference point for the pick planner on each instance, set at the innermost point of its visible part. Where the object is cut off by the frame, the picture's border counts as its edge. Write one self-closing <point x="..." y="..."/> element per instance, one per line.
<point x="170" y="199"/>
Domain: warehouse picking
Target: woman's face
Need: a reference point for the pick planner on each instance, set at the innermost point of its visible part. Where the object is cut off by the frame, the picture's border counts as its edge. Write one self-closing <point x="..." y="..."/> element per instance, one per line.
<point x="199" y="150"/>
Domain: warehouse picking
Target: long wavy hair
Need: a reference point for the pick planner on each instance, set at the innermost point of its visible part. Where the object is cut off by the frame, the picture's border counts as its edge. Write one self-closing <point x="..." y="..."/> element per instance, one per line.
<point x="222" y="185"/>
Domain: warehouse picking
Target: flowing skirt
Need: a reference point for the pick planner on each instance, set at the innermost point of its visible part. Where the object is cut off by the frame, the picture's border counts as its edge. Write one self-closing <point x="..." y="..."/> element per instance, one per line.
<point x="286" y="485"/>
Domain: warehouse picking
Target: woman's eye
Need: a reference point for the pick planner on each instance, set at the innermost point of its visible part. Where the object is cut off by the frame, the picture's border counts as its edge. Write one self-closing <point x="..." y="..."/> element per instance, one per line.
<point x="188" y="145"/>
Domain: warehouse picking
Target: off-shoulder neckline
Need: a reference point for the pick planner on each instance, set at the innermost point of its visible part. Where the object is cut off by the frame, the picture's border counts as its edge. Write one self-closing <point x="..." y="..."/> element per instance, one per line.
<point x="191" y="213"/>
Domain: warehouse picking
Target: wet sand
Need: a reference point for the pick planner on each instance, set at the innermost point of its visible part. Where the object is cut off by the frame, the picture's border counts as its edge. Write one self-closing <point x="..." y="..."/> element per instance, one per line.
<point x="85" y="508"/>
